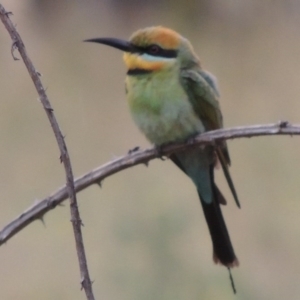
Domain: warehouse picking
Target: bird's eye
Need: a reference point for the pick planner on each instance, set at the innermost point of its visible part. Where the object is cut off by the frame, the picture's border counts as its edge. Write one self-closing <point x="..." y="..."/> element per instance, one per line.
<point x="154" y="49"/>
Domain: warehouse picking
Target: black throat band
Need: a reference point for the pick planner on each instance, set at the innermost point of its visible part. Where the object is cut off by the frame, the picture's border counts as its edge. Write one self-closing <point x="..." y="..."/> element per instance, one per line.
<point x="137" y="71"/>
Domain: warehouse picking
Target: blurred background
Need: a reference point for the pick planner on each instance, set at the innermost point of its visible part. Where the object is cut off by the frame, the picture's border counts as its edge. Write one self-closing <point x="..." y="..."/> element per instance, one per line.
<point x="144" y="232"/>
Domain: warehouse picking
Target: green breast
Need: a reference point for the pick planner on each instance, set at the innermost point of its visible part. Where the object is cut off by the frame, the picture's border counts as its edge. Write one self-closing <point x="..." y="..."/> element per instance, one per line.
<point x="161" y="108"/>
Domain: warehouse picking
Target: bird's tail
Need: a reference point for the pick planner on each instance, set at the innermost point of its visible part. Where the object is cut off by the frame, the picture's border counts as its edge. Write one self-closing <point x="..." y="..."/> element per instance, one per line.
<point x="203" y="176"/>
<point x="223" y="252"/>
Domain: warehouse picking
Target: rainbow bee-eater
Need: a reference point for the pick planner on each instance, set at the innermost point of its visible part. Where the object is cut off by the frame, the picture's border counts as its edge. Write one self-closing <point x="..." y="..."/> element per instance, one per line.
<point x="171" y="98"/>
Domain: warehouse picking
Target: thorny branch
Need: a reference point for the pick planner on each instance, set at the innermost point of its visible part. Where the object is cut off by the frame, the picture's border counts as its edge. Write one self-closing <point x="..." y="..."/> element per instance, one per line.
<point x="64" y="155"/>
<point x="134" y="157"/>
<point x="38" y="210"/>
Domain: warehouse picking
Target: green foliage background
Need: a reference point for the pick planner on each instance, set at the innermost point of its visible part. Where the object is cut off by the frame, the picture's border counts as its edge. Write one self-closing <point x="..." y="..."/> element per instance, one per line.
<point x="144" y="231"/>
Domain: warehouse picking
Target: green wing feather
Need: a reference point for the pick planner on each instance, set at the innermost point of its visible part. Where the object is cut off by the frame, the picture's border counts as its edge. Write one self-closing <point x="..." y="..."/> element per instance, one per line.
<point x="202" y="90"/>
<point x="203" y="97"/>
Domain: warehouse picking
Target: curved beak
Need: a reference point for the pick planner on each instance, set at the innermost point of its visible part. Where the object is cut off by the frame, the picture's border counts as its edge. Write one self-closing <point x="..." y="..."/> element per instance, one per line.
<point x="115" y="43"/>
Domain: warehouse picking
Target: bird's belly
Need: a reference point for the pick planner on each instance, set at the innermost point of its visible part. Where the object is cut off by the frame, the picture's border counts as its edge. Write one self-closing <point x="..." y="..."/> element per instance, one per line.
<point x="164" y="116"/>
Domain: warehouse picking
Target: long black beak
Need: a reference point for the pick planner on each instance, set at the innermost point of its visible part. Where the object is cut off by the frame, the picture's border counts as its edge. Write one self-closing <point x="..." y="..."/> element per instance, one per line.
<point x="115" y="43"/>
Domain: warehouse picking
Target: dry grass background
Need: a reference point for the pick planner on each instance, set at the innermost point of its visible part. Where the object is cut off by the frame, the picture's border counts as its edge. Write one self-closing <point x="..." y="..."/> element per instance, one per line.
<point x="144" y="231"/>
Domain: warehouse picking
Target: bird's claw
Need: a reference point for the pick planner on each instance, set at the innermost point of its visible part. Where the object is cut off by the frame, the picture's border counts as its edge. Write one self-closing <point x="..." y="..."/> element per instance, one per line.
<point x="159" y="152"/>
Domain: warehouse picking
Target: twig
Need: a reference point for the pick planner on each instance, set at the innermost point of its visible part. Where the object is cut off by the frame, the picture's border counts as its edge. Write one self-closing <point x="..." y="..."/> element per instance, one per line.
<point x="64" y="155"/>
<point x="38" y="210"/>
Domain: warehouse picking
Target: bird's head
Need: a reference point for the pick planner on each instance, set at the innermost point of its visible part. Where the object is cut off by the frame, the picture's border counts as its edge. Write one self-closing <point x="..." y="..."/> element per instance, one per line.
<point x="153" y="49"/>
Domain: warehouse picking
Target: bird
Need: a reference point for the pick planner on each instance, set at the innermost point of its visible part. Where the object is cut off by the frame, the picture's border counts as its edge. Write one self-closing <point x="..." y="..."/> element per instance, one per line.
<point x="172" y="98"/>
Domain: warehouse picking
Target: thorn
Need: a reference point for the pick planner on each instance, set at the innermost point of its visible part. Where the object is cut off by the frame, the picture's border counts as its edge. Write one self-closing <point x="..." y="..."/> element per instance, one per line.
<point x="231" y="281"/>
<point x="137" y="148"/>
<point x="50" y="109"/>
<point x="41" y="218"/>
<point x="283" y="124"/>
<point x="146" y="163"/>
<point x="9" y="13"/>
<point x="99" y="183"/>
<point x="60" y="159"/>
<point x="38" y="73"/>
<point x="60" y="204"/>
<point x="77" y="222"/>
<point x="14" y="46"/>
<point x="82" y="283"/>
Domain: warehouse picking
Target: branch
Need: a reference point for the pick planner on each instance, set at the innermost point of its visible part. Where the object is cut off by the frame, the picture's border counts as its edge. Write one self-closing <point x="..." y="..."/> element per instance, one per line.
<point x="64" y="155"/>
<point x="38" y="210"/>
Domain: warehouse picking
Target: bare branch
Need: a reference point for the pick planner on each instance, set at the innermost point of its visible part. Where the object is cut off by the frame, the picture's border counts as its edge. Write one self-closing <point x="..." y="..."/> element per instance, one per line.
<point x="64" y="155"/>
<point x="38" y="210"/>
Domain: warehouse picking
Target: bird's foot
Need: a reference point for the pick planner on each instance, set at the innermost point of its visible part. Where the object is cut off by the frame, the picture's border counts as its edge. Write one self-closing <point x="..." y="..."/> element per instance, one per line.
<point x="159" y="152"/>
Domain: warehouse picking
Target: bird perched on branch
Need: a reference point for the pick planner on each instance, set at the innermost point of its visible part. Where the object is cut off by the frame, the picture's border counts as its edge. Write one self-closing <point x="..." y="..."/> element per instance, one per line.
<point x="171" y="98"/>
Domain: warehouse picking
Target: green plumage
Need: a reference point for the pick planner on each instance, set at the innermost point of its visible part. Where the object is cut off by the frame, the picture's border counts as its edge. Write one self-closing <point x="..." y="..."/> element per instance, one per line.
<point x="171" y="99"/>
<point x="171" y="108"/>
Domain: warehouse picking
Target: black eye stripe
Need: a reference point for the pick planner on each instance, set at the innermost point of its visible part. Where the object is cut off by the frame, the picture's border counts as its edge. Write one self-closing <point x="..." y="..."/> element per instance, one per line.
<point x="168" y="53"/>
<point x="153" y="49"/>
<point x="159" y="52"/>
